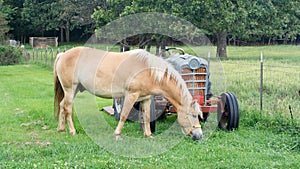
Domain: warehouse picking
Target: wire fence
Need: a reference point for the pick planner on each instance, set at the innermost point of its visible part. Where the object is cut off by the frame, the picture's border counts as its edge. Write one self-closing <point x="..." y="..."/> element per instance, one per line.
<point x="43" y="56"/>
<point x="274" y="89"/>
<point x="280" y="83"/>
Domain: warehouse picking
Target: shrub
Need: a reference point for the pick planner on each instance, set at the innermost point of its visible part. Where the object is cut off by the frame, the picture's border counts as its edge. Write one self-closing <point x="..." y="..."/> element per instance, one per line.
<point x="10" y="55"/>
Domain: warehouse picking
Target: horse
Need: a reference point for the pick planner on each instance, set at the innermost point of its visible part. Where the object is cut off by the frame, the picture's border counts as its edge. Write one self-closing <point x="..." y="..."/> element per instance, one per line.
<point x="135" y="75"/>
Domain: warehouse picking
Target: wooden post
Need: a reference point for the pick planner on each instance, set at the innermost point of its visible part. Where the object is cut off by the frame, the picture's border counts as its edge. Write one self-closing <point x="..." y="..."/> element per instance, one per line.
<point x="52" y="57"/>
<point x="261" y="80"/>
<point x="33" y="53"/>
<point x="41" y="55"/>
<point x="46" y="57"/>
<point x="37" y="55"/>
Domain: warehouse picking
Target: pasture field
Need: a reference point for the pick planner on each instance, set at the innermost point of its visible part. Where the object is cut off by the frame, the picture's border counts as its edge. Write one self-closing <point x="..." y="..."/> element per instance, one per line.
<point x="265" y="139"/>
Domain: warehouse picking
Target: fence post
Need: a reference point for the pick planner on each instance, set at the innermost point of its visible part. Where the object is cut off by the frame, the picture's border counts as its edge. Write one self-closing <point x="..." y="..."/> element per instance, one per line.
<point x="37" y="55"/>
<point x="52" y="57"/>
<point x="33" y="55"/>
<point x="261" y="80"/>
<point x="46" y="57"/>
<point x="41" y="56"/>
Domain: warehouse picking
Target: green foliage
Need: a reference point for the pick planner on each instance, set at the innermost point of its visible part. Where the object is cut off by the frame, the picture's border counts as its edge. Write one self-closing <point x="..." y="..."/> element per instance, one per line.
<point x="239" y="22"/>
<point x="10" y="55"/>
<point x="28" y="137"/>
<point x="4" y="28"/>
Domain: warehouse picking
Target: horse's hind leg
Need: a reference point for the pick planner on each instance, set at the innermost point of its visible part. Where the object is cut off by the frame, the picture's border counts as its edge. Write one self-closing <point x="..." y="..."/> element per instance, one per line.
<point x="130" y="99"/>
<point x="146" y="117"/>
<point x="62" y="118"/>
<point x="68" y="111"/>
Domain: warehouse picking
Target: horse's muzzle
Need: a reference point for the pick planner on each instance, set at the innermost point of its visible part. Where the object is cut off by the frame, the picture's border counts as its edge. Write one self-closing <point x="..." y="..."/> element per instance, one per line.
<point x="196" y="135"/>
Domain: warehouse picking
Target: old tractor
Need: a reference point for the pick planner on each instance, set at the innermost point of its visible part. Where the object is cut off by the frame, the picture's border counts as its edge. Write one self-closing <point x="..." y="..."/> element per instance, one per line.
<point x="195" y="72"/>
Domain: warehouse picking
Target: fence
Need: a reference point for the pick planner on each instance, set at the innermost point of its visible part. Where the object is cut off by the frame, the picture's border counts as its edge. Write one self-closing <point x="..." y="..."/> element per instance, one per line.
<point x="44" y="56"/>
<point x="267" y="87"/>
<point x="277" y="94"/>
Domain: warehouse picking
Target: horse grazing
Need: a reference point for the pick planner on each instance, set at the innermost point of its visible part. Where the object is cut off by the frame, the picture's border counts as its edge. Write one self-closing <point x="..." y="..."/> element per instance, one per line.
<point x="134" y="75"/>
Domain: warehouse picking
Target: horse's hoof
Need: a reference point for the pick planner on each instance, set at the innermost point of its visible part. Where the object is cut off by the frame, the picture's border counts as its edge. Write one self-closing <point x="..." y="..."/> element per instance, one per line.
<point x="73" y="132"/>
<point x="118" y="137"/>
<point x="61" y="130"/>
<point x="148" y="136"/>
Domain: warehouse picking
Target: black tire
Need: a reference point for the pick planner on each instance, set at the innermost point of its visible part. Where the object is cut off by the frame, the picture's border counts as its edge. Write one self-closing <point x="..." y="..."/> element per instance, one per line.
<point x="118" y="105"/>
<point x="152" y="115"/>
<point x="229" y="119"/>
<point x="237" y="114"/>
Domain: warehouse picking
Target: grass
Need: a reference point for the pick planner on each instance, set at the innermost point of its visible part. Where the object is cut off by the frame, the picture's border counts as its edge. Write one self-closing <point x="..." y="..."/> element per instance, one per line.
<point x="28" y="137"/>
<point x="280" y="73"/>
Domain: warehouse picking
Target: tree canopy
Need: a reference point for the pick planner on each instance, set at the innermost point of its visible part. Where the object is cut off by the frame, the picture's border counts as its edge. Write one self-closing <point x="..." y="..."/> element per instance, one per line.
<point x="240" y="22"/>
<point x="51" y="18"/>
<point x="234" y="22"/>
<point x="3" y="22"/>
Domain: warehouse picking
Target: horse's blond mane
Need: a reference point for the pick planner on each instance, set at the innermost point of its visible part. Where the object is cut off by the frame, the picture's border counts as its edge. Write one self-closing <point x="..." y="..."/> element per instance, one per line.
<point x="159" y="67"/>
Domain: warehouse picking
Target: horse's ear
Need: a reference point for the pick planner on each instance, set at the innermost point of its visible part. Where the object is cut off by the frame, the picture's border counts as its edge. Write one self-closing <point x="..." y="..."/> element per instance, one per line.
<point x="196" y="106"/>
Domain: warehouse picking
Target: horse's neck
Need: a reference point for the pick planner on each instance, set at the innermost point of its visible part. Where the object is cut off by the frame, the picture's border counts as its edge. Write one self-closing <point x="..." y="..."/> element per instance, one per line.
<point x="177" y="95"/>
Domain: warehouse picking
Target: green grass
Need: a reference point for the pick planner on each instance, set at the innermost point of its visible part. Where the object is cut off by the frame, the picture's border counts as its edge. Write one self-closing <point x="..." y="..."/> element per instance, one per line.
<point x="281" y="76"/>
<point x="28" y="137"/>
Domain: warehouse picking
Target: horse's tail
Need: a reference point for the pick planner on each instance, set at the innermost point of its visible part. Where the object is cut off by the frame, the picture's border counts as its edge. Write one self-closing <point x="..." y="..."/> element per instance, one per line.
<point x="58" y="90"/>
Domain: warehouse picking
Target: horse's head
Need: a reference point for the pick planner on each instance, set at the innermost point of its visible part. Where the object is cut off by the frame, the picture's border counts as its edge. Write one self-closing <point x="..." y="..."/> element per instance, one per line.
<point x="189" y="121"/>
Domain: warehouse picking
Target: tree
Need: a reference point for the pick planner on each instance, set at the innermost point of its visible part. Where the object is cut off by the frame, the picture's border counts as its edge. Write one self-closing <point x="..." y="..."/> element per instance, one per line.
<point x="108" y="12"/>
<point x="74" y="13"/>
<point x="38" y="15"/>
<point x="229" y="21"/>
<point x="289" y="13"/>
<point x="42" y="16"/>
<point x="150" y="28"/>
<point x="218" y="18"/>
<point x="3" y="23"/>
<point x="15" y="19"/>
<point x="264" y="21"/>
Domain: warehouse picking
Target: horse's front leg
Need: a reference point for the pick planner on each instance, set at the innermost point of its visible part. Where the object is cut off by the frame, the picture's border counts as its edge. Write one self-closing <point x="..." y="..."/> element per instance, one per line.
<point x="129" y="100"/>
<point x="146" y="117"/>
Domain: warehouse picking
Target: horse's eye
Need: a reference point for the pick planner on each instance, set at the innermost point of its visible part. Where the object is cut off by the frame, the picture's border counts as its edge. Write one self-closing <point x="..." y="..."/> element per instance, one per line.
<point x="194" y="116"/>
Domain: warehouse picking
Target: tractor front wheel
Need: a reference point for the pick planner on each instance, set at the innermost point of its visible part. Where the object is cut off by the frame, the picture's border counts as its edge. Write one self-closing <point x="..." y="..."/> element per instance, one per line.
<point x="228" y="112"/>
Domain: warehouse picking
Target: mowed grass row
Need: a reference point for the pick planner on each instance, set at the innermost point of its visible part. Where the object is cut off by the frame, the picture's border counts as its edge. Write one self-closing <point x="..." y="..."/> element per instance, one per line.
<point x="28" y="136"/>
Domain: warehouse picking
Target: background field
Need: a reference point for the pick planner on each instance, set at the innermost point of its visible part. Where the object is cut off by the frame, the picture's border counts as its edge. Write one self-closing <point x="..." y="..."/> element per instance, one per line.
<point x="265" y="139"/>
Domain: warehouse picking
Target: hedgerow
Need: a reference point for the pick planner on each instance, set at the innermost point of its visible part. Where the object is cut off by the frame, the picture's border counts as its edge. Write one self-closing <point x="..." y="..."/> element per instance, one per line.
<point x="10" y="55"/>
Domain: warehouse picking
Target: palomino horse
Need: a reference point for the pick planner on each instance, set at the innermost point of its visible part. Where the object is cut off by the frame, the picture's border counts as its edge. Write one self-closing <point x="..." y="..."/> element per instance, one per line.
<point x="134" y="75"/>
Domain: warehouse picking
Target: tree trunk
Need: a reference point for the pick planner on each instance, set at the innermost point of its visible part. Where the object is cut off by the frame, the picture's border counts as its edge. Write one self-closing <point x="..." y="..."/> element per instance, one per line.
<point x="221" y="45"/>
<point x="67" y="32"/>
<point x="269" y="42"/>
<point x="163" y="47"/>
<point x="148" y="48"/>
<point x="61" y="35"/>
<point x="124" y="46"/>
<point x="141" y="41"/>
<point x="157" y="48"/>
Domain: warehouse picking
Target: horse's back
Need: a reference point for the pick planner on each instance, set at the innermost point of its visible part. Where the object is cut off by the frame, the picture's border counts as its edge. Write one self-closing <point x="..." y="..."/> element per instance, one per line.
<point x="106" y="74"/>
<point x="96" y="70"/>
